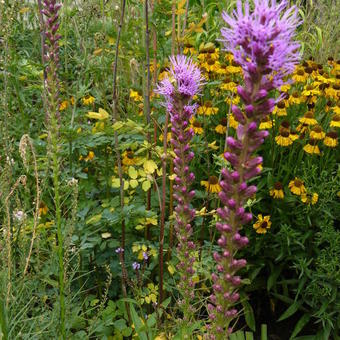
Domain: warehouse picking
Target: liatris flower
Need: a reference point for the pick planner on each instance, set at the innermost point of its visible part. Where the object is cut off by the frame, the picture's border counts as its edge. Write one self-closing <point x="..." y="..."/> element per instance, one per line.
<point x="51" y="54"/>
<point x="184" y="82"/>
<point x="262" y="44"/>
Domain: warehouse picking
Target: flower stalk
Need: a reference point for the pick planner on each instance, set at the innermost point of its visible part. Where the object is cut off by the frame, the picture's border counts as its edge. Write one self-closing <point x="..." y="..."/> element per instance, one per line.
<point x="50" y="14"/>
<point x="178" y="93"/>
<point x="261" y="43"/>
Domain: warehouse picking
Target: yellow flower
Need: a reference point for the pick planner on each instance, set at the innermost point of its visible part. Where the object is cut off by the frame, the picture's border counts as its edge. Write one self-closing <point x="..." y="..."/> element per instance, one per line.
<point x="89" y="157"/>
<point x="197" y="127"/>
<point x="335" y="122"/>
<point x="277" y="191"/>
<point x="300" y="76"/>
<point x="213" y="145"/>
<point x="283" y="139"/>
<point x="266" y="123"/>
<point x="207" y="109"/>
<point x="63" y="105"/>
<point x="308" y="119"/>
<point x="262" y="224"/>
<point x="212" y="185"/>
<point x="234" y="69"/>
<point x="128" y="158"/>
<point x="310" y="91"/>
<point x="317" y="133"/>
<point x="222" y="127"/>
<point x="296" y="98"/>
<point x="232" y="100"/>
<point x="100" y="115"/>
<point x="232" y="121"/>
<point x="333" y="91"/>
<point x="135" y="96"/>
<point x="293" y="136"/>
<point x="312" y="147"/>
<point x="88" y="100"/>
<point x="310" y="198"/>
<point x="331" y="139"/>
<point x="280" y="109"/>
<point x="43" y="209"/>
<point x="297" y="187"/>
<point x="229" y="86"/>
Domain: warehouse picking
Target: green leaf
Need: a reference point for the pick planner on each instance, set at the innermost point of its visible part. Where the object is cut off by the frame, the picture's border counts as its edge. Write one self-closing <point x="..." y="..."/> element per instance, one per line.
<point x="290" y="311"/>
<point x="249" y="315"/>
<point x="300" y="324"/>
<point x="138" y="324"/>
<point x="120" y="324"/>
<point x="273" y="278"/>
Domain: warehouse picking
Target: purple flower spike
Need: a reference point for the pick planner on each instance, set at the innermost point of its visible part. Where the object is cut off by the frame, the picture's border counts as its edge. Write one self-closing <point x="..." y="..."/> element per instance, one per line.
<point x="262" y="43"/>
<point x="185" y="81"/>
<point x="263" y="38"/>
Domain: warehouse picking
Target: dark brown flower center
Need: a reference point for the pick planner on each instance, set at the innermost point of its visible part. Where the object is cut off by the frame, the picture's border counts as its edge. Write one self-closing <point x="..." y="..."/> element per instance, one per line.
<point x="281" y="104"/>
<point x="264" y="224"/>
<point x="300" y="72"/>
<point x="197" y="124"/>
<point x="313" y="142"/>
<point x="317" y="129"/>
<point x="309" y="114"/>
<point x="278" y="186"/>
<point x="213" y="180"/>
<point x="224" y="121"/>
<point x="332" y="134"/>
<point x="285" y="124"/>
<point x="336" y="118"/>
<point x="298" y="183"/>
<point x="284" y="133"/>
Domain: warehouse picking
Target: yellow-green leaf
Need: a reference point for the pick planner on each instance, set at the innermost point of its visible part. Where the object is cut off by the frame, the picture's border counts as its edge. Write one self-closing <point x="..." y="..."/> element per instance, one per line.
<point x="149" y="166"/>
<point x="94" y="219"/>
<point x="133" y="173"/>
<point x="146" y="185"/>
<point x="100" y="115"/>
<point x="115" y="183"/>
<point x="133" y="183"/>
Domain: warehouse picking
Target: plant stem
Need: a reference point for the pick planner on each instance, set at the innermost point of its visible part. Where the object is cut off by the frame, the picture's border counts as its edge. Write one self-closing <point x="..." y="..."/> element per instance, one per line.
<point x="115" y="118"/>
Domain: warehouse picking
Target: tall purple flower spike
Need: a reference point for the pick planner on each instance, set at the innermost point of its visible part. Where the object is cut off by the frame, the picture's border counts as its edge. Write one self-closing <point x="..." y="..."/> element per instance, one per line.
<point x="262" y="43"/>
<point x="184" y="82"/>
<point x="50" y="11"/>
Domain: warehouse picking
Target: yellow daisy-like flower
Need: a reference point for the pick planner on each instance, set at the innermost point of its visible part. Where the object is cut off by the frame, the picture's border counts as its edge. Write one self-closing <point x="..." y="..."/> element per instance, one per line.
<point x="211" y="185"/>
<point x="310" y="91"/>
<point x="283" y="139"/>
<point x="222" y="127"/>
<point x="135" y="96"/>
<point x="229" y="86"/>
<point x="233" y="123"/>
<point x="262" y="224"/>
<point x="207" y="109"/>
<point x="300" y="76"/>
<point x="211" y="65"/>
<point x="234" y="69"/>
<point x="310" y="198"/>
<point x="336" y="109"/>
<point x="317" y="133"/>
<point x="308" y="119"/>
<point x="331" y="139"/>
<point x="302" y="128"/>
<point x="280" y="109"/>
<point x="43" y="209"/>
<point x="88" y="100"/>
<point x="333" y="91"/>
<point x="128" y="158"/>
<point x="296" y="98"/>
<point x="232" y="100"/>
<point x="197" y="127"/>
<point x="266" y="123"/>
<point x="277" y="191"/>
<point x="89" y="157"/>
<point x="312" y="147"/>
<point x="297" y="187"/>
<point x="335" y="122"/>
<point x="293" y="136"/>
<point x="63" y="105"/>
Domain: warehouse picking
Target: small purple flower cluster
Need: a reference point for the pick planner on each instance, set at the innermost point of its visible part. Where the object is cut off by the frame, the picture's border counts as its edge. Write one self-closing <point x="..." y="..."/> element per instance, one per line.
<point x="262" y="44"/>
<point x="185" y="81"/>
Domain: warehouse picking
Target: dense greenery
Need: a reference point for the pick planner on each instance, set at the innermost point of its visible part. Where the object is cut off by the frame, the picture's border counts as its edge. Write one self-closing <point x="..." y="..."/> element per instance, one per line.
<point x="292" y="279"/>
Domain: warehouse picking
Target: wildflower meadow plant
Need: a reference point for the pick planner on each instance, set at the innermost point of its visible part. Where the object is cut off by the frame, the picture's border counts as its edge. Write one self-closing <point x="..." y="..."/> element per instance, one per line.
<point x="178" y="90"/>
<point x="262" y="44"/>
